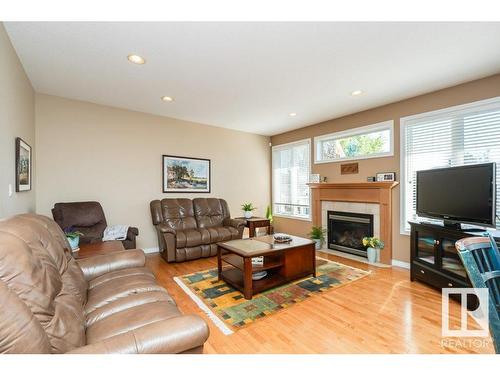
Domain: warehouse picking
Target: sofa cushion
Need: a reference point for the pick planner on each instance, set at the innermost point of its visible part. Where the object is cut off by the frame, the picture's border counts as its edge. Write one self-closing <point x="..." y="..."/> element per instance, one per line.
<point x="208" y="212"/>
<point x="129" y="319"/>
<point x="176" y="213"/>
<point x="79" y="214"/>
<point x="192" y="237"/>
<point x="219" y="234"/>
<point x="119" y="288"/>
<point x="125" y="303"/>
<point x="40" y="271"/>
<point x="122" y="274"/>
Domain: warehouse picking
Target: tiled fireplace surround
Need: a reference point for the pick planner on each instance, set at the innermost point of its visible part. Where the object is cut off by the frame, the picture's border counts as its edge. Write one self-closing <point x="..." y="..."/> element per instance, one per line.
<point x="362" y="197"/>
<point x="358" y="208"/>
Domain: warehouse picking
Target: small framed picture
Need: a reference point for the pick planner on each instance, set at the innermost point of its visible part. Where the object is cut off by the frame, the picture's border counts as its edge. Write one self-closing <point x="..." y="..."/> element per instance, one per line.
<point x="315" y="178"/>
<point x="23" y="165"/>
<point x="182" y="174"/>
<point x="386" y="176"/>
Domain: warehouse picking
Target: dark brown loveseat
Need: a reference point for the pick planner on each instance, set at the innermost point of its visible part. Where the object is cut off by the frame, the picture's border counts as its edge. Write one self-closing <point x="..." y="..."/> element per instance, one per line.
<point x="190" y="229"/>
<point x="88" y="218"/>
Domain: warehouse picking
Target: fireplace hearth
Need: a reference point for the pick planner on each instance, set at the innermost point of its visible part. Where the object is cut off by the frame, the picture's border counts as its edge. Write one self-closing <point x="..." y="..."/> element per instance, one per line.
<point x="346" y="231"/>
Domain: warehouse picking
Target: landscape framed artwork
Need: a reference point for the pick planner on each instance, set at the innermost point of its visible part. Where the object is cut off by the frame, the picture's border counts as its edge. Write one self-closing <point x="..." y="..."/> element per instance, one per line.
<point x="185" y="175"/>
<point x="23" y="165"/>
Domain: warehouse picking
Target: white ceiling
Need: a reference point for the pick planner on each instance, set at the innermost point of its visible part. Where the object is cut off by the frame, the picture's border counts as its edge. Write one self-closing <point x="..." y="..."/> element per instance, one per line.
<point x="250" y="76"/>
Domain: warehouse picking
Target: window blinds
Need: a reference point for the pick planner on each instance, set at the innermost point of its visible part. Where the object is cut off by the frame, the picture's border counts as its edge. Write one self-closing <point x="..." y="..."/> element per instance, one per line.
<point x="461" y="135"/>
<point x="291" y="169"/>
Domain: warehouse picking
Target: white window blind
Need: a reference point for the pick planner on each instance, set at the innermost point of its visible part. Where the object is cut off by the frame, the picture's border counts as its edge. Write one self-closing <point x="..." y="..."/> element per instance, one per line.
<point x="291" y="170"/>
<point x="468" y="134"/>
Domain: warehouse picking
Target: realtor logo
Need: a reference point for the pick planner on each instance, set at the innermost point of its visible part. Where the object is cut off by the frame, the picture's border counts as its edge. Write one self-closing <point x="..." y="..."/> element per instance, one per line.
<point x="480" y="315"/>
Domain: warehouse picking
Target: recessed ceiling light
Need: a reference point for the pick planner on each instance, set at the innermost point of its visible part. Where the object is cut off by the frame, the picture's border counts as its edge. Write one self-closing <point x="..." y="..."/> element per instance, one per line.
<point x="293" y="114"/>
<point x="167" y="98"/>
<point x="356" y="92"/>
<point x="136" y="59"/>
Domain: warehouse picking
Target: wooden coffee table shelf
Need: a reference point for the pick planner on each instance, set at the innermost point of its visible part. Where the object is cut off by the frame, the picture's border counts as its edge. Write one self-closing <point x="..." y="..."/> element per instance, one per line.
<point x="283" y="262"/>
<point x="234" y="277"/>
<point x="269" y="262"/>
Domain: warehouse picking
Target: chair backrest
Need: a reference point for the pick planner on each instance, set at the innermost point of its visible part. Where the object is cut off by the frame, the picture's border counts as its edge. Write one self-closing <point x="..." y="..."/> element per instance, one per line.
<point x="42" y="289"/>
<point x="481" y="259"/>
<point x="210" y="212"/>
<point x="177" y="213"/>
<point x="86" y="217"/>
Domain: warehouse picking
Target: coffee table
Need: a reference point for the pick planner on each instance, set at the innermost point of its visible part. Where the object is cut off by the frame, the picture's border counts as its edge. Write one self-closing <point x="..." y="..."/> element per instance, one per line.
<point x="283" y="262"/>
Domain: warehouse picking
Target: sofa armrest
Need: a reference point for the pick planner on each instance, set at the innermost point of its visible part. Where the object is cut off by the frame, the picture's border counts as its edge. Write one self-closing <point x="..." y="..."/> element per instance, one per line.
<point x="132" y="233"/>
<point x="98" y="265"/>
<point x="238" y="224"/>
<point x="164" y="228"/>
<point x="235" y="223"/>
<point x="174" y="335"/>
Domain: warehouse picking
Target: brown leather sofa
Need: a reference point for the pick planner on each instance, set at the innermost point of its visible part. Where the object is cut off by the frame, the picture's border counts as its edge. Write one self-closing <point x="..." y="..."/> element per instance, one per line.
<point x="52" y="303"/>
<point x="190" y="229"/>
<point x="88" y="218"/>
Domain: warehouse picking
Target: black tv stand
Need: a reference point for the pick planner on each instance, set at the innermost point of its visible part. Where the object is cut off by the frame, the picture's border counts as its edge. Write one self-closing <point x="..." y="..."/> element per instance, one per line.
<point x="453" y="225"/>
<point x="434" y="258"/>
<point x="474" y="230"/>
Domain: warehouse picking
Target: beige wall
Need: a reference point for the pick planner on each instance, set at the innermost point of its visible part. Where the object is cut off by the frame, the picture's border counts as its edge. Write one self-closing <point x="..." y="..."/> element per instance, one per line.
<point x="92" y="152"/>
<point x="17" y="109"/>
<point x="465" y="93"/>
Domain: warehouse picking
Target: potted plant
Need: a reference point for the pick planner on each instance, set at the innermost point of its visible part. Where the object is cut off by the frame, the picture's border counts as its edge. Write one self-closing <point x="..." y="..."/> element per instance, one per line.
<point x="269" y="214"/>
<point x="73" y="237"/>
<point x="374" y="245"/>
<point x="247" y="210"/>
<point x="317" y="234"/>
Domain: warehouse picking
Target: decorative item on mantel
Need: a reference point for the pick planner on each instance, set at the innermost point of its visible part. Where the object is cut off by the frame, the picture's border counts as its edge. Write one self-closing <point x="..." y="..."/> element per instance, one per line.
<point x="317" y="234"/>
<point x="73" y="237"/>
<point x="349" y="168"/>
<point x="386" y="176"/>
<point x="374" y="246"/>
<point x="315" y="178"/>
<point x="247" y="210"/>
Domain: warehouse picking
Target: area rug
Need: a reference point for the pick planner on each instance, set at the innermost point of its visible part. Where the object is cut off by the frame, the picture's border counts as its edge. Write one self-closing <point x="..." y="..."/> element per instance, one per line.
<point x="230" y="311"/>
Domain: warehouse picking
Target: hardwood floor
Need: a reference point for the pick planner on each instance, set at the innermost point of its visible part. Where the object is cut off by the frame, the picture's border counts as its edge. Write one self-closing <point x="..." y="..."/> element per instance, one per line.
<point x="382" y="313"/>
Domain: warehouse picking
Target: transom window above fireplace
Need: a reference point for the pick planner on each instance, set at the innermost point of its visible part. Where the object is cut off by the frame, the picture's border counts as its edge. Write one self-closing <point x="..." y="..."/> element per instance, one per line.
<point x="372" y="141"/>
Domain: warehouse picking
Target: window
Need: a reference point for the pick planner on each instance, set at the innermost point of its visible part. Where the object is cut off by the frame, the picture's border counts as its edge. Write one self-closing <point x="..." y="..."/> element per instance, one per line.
<point x="466" y="134"/>
<point x="372" y="141"/>
<point x="291" y="170"/>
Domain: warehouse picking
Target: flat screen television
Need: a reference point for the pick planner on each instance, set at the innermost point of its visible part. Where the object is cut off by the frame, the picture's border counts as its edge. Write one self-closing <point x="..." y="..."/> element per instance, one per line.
<point x="457" y="195"/>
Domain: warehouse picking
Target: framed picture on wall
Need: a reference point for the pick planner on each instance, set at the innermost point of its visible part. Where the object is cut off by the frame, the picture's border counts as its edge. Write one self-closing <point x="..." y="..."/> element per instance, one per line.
<point x="23" y="165"/>
<point x="185" y="175"/>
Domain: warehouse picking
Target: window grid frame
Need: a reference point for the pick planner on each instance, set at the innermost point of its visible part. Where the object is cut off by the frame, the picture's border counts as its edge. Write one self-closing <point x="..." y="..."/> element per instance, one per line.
<point x="451" y="112"/>
<point x="361" y="130"/>
<point x="306" y="141"/>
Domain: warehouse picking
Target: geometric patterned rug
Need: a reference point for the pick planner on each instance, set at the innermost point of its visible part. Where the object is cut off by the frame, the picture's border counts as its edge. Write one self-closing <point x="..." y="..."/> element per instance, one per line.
<point x="230" y="311"/>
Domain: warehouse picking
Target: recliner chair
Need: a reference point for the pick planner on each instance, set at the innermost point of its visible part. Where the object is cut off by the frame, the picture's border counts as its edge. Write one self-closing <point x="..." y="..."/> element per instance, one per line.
<point x="88" y="218"/>
<point x="190" y="229"/>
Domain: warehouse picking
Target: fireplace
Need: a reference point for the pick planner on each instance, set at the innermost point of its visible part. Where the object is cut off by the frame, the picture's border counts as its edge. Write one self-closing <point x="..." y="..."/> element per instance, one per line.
<point x="346" y="231"/>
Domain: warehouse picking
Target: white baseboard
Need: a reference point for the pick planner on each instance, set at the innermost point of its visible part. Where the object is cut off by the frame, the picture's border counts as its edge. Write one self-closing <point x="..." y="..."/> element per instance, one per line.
<point x="150" y="250"/>
<point x="399" y="263"/>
